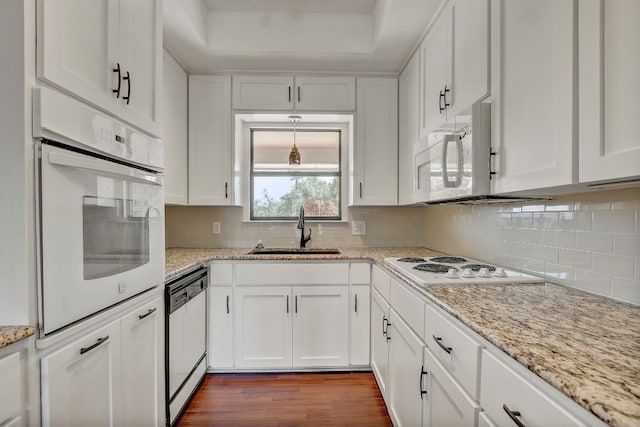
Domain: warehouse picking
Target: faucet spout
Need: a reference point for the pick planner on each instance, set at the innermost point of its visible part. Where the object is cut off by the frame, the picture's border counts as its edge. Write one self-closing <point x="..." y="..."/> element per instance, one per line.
<point x="303" y="239"/>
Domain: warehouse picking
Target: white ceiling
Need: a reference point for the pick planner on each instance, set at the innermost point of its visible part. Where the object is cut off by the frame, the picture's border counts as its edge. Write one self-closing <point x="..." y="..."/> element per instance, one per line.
<point x="295" y="35"/>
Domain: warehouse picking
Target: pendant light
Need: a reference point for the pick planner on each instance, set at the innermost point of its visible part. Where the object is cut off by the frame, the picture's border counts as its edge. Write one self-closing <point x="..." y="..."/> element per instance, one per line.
<point x="294" y="154"/>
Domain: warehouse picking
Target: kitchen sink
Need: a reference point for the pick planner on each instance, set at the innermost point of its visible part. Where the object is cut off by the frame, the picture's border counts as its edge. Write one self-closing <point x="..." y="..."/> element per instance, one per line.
<point x="294" y="251"/>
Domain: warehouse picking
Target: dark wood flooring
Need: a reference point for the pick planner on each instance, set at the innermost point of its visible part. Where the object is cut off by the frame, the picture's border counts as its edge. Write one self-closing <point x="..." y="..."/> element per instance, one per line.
<point x="287" y="399"/>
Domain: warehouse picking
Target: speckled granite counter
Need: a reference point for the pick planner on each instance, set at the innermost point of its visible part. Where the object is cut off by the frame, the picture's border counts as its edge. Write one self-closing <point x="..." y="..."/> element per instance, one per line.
<point x="584" y="345"/>
<point x="11" y="334"/>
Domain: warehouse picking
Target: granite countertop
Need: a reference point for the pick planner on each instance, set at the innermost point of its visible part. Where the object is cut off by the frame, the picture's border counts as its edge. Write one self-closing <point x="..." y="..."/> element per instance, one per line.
<point x="11" y="334"/>
<point x="586" y="346"/>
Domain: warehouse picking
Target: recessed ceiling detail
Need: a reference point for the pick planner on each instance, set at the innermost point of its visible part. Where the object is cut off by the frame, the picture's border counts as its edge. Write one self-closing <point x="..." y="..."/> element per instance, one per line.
<point x="295" y="35"/>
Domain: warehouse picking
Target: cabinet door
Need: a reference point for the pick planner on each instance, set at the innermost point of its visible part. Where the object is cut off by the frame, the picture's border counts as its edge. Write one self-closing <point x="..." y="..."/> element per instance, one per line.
<point x="532" y="84"/>
<point x="320" y="326"/>
<point x="435" y="68"/>
<point x="262" y="334"/>
<point x="11" y="391"/>
<point x="263" y="93"/>
<point x="325" y="93"/>
<point x="502" y="390"/>
<point x="360" y="309"/>
<point x="140" y="53"/>
<point x="609" y="89"/>
<point x="81" y="383"/>
<point x="78" y="45"/>
<point x="210" y="140"/>
<point x="379" y="342"/>
<point x="405" y="373"/>
<point x="143" y="365"/>
<point x="174" y="132"/>
<point x="220" y="327"/>
<point x="445" y="403"/>
<point x="376" y="147"/>
<point x="470" y="44"/>
<point x="408" y="132"/>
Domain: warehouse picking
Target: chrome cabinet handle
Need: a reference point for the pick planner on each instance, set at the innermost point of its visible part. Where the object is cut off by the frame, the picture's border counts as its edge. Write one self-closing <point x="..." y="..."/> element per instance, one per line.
<point x="384" y="325"/>
<point x="119" y="71"/>
<point x="84" y="350"/>
<point x="387" y="330"/>
<point x="491" y="155"/>
<point x="298" y="93"/>
<point x="422" y="374"/>
<point x="147" y="314"/>
<point x="355" y="308"/>
<point x="128" y="79"/>
<point x="289" y="93"/>
<point x="287" y="304"/>
<point x="228" y="310"/>
<point x="296" y="304"/>
<point x="513" y="415"/>
<point x="438" y="340"/>
<point x="440" y="107"/>
<point x="226" y="190"/>
<point x="361" y="190"/>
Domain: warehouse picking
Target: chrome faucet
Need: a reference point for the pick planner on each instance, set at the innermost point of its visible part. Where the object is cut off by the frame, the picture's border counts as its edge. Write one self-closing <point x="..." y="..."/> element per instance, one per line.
<point x="303" y="239"/>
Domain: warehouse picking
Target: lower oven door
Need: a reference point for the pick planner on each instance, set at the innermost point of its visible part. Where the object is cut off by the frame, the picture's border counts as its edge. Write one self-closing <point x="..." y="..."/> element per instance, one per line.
<point x="102" y="234"/>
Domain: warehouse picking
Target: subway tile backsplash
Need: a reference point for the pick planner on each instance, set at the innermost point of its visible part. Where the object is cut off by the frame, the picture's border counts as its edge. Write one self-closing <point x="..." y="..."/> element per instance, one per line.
<point x="589" y="240"/>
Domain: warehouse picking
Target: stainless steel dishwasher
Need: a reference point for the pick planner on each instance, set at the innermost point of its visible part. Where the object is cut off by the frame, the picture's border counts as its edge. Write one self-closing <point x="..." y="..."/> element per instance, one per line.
<point x="185" y="329"/>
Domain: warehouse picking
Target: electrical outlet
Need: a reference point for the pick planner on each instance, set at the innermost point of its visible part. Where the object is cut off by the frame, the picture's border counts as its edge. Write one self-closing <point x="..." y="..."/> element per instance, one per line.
<point x="216" y="228"/>
<point x="358" y="228"/>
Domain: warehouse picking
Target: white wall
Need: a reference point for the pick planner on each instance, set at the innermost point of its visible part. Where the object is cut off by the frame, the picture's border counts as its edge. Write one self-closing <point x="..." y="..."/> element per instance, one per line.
<point x="589" y="241"/>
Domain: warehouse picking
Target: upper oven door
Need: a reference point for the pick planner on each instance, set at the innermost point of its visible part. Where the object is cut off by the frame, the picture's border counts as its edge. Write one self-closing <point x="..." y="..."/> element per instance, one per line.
<point x="102" y="228"/>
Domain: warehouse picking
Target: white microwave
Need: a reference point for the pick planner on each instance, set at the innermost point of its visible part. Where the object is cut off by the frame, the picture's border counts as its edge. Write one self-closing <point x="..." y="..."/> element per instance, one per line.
<point x="452" y="162"/>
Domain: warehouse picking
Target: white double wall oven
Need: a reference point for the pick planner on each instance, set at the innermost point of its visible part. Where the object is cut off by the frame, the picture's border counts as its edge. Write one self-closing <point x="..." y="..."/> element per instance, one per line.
<point x="101" y="203"/>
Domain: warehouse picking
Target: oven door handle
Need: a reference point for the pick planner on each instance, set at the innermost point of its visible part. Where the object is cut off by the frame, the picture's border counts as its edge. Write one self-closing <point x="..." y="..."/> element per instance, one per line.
<point x="98" y="165"/>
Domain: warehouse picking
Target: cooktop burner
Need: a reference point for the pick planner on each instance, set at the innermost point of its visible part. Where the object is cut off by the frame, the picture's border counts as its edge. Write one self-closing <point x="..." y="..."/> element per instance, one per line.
<point x="477" y="267"/>
<point x="448" y="259"/>
<point x="433" y="268"/>
<point x="412" y="259"/>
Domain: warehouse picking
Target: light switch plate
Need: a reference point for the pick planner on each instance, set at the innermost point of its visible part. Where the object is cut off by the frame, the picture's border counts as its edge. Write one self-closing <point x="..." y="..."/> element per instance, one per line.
<point x="358" y="228"/>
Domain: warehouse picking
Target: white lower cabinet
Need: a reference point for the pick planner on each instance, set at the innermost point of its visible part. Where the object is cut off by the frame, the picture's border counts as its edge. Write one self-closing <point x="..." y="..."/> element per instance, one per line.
<point x="81" y="382"/>
<point x="405" y="363"/>
<point x="508" y="399"/>
<point x="445" y="402"/>
<point x="11" y="392"/>
<point x="283" y="315"/>
<point x="320" y="335"/>
<point x="262" y="335"/>
<point x="111" y="376"/>
<point x="143" y="366"/>
<point x="360" y="312"/>
<point x="379" y="341"/>
<point x="220" y="352"/>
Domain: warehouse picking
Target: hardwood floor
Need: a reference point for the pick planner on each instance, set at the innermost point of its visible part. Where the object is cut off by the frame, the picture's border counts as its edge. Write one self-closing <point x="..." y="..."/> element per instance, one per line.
<point x="287" y="399"/>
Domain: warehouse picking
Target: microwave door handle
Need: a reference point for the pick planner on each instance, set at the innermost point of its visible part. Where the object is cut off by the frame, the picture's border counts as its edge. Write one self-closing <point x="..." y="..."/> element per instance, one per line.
<point x="445" y="171"/>
<point x="89" y="163"/>
<point x="460" y="152"/>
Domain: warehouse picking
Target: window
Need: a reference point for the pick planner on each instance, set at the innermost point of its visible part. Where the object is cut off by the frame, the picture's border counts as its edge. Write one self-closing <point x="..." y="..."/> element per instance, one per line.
<point x="278" y="189"/>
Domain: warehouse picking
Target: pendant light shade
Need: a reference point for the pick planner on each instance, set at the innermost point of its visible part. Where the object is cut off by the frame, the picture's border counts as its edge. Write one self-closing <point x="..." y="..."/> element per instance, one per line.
<point x="294" y="154"/>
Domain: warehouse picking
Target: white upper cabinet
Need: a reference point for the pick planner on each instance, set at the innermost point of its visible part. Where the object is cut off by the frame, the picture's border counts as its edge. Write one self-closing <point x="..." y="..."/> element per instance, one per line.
<point x="533" y="72"/>
<point x="174" y="132"/>
<point x="609" y="89"/>
<point x="325" y="93"/>
<point x="454" y="62"/>
<point x="408" y="86"/>
<point x="210" y="144"/>
<point x="107" y="52"/>
<point x="286" y="93"/>
<point x="375" y="152"/>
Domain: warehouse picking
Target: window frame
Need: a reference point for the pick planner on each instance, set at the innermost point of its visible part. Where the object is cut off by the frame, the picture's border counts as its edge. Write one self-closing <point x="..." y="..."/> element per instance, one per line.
<point x="339" y="174"/>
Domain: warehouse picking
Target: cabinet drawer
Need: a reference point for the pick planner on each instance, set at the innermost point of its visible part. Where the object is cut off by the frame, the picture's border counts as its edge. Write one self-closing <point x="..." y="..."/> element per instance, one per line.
<point x="220" y="274"/>
<point x="503" y="389"/>
<point x="408" y="305"/>
<point x="11" y="390"/>
<point x="268" y="274"/>
<point x="454" y="348"/>
<point x="360" y="274"/>
<point x="381" y="281"/>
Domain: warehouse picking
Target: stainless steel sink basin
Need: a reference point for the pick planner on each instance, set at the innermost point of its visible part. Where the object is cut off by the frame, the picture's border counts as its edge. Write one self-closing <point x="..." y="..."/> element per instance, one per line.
<point x="294" y="251"/>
